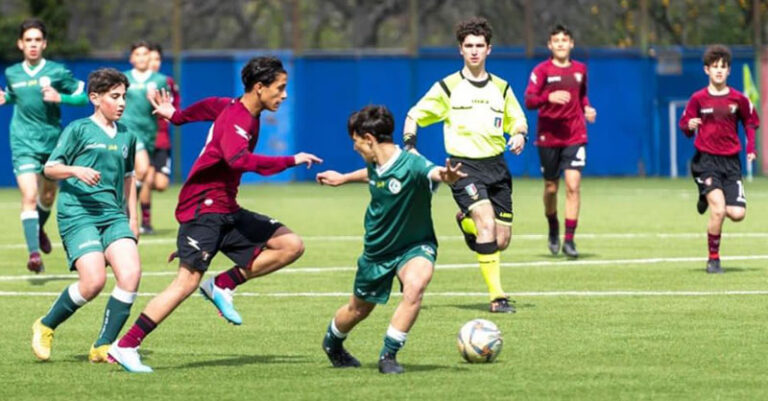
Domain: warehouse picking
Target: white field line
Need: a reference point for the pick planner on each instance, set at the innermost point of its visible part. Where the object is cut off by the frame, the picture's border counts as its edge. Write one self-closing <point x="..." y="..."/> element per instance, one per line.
<point x="332" y="269"/>
<point x="521" y="237"/>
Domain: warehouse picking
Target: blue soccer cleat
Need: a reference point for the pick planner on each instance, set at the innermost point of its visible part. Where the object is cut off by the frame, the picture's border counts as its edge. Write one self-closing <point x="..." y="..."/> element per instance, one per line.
<point x="222" y="299"/>
<point x="128" y="358"/>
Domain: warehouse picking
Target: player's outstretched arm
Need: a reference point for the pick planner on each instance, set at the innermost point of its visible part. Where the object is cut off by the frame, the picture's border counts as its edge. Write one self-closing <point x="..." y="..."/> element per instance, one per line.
<point x="334" y="178"/>
<point x="448" y="174"/>
<point x="204" y="110"/>
<point x="60" y="171"/>
<point x="306" y="158"/>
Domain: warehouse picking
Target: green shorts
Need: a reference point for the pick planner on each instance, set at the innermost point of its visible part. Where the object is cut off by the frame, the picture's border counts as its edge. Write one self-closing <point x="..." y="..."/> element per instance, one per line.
<point x="29" y="163"/>
<point x="93" y="238"/>
<point x="373" y="281"/>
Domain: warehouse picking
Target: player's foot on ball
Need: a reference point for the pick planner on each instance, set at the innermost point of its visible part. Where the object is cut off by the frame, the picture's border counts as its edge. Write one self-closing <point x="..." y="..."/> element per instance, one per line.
<point x="713" y="266"/>
<point x="146" y="230"/>
<point x="222" y="299"/>
<point x="502" y="305"/>
<point x="701" y="205"/>
<point x="35" y="263"/>
<point x="340" y="358"/>
<point x="45" y="242"/>
<point x="388" y="365"/>
<point x="99" y="354"/>
<point x="569" y="249"/>
<point x="128" y="358"/>
<point x="42" y="337"/>
<point x="470" y="239"/>
<point x="553" y="242"/>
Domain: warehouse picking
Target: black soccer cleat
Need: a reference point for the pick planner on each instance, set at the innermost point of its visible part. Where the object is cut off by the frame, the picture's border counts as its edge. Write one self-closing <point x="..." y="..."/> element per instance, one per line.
<point x="340" y="358"/>
<point x="569" y="249"/>
<point x="502" y="305"/>
<point x="388" y="365"/>
<point x="701" y="205"/>
<point x="553" y="242"/>
<point x="713" y="267"/>
<point x="470" y="239"/>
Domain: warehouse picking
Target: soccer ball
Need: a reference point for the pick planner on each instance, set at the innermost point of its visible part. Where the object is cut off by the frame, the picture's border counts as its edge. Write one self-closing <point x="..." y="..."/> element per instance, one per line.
<point x="479" y="341"/>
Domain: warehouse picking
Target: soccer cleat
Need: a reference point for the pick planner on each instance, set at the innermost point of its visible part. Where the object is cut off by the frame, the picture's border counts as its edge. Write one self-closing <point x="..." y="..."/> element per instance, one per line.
<point x="35" y="263"/>
<point x="222" y="299"/>
<point x="341" y="358"/>
<point x="146" y="230"/>
<point x="45" y="242"/>
<point x="128" y="358"/>
<point x="470" y="239"/>
<point x="42" y="337"/>
<point x="502" y="305"/>
<point x="569" y="249"/>
<point x="388" y="365"/>
<point x="99" y="354"/>
<point x="713" y="266"/>
<point x="701" y="205"/>
<point x="553" y="242"/>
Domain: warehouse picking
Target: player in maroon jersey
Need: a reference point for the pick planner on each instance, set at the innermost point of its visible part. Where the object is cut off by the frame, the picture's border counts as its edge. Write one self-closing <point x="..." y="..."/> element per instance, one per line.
<point x="558" y="89"/>
<point x="713" y="115"/>
<point x="212" y="221"/>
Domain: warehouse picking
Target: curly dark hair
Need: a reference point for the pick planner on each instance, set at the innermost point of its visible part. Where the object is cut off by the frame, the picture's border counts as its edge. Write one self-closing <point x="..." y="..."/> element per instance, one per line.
<point x="374" y="119"/>
<point x="474" y="26"/>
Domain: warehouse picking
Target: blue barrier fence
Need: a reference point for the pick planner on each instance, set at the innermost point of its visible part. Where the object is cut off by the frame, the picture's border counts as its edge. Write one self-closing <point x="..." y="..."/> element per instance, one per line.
<point x="632" y="95"/>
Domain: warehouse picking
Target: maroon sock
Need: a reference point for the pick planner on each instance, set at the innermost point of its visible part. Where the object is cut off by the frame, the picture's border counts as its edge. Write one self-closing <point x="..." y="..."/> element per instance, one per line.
<point x="554" y="225"/>
<point x="714" y="245"/>
<point x="570" y="228"/>
<point x="145" y="213"/>
<point x="230" y="278"/>
<point x="135" y="335"/>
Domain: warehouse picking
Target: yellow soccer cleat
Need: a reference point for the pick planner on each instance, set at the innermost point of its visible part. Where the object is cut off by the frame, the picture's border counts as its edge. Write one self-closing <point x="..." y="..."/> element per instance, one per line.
<point x="99" y="354"/>
<point x="42" y="337"/>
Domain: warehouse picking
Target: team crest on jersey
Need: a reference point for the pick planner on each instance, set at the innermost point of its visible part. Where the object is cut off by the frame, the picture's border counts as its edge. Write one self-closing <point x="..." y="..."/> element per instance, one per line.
<point x="394" y="186"/>
<point x="45" y="82"/>
<point x="124" y="151"/>
<point x="579" y="76"/>
<point x="471" y="190"/>
<point x="708" y="181"/>
<point x="733" y="107"/>
<point x="497" y="122"/>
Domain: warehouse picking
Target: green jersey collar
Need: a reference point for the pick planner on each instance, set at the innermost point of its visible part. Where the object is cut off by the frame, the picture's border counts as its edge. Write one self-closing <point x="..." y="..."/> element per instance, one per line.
<point x="32" y="71"/>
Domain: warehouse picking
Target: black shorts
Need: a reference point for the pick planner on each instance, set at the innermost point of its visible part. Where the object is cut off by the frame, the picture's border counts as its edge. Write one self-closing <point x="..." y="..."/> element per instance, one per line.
<point x="161" y="161"/>
<point x="487" y="180"/>
<point x="556" y="159"/>
<point x="712" y="172"/>
<point x="240" y="236"/>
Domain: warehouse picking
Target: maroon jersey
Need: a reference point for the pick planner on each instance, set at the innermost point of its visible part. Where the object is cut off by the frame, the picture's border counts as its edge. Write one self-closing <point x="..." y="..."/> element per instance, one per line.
<point x="203" y="110"/>
<point x="215" y="177"/>
<point x="720" y="115"/>
<point x="163" y="139"/>
<point x="558" y="125"/>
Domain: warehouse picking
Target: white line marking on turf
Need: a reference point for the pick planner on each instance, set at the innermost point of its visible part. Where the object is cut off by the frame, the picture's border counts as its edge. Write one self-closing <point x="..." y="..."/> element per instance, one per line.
<point x="331" y="269"/>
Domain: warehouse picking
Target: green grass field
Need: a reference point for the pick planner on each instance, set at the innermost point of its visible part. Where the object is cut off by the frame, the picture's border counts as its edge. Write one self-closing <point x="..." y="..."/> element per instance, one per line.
<point x="634" y="318"/>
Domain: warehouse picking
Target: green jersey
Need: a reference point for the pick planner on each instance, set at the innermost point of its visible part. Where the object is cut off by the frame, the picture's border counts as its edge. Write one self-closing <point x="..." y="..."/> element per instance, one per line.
<point x="138" y="115"/>
<point x="475" y="114"/>
<point x="108" y="150"/>
<point x="400" y="213"/>
<point x="36" y="125"/>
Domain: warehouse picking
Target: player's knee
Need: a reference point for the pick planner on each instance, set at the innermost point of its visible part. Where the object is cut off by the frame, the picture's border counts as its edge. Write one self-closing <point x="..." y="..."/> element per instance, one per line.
<point x="717" y="211"/>
<point x="413" y="292"/>
<point x="550" y="187"/>
<point x="91" y="287"/>
<point x="502" y="242"/>
<point x="294" y="247"/>
<point x="360" y="311"/>
<point x="737" y="215"/>
<point x="29" y="199"/>
<point x="572" y="190"/>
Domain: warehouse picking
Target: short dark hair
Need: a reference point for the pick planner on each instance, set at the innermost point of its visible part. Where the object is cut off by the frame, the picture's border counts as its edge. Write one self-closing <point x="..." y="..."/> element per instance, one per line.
<point x="716" y="53"/>
<point x="560" y="28"/>
<point x="261" y="69"/>
<point x="474" y="26"/>
<point x="32" y="23"/>
<point x="375" y="120"/>
<point x="140" y="43"/>
<point x="156" y="47"/>
<point x="104" y="79"/>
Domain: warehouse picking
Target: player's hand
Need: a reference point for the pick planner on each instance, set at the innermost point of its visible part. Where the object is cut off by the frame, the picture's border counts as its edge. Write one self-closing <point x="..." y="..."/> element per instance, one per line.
<point x="450" y="174"/>
<point x="306" y="158"/>
<point x="516" y="143"/>
<point x="590" y="114"/>
<point x="559" y="97"/>
<point x="51" y="95"/>
<point x="694" y="123"/>
<point x="330" y="177"/>
<point x="751" y="157"/>
<point x="162" y="102"/>
<point x="87" y="175"/>
<point x="2" y="97"/>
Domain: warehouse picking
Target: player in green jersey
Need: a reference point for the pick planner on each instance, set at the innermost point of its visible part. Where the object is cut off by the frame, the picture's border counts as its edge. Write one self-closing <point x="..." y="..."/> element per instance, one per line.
<point x="144" y="84"/>
<point x="36" y="87"/>
<point x="399" y="237"/>
<point x="94" y="160"/>
<point x="476" y="109"/>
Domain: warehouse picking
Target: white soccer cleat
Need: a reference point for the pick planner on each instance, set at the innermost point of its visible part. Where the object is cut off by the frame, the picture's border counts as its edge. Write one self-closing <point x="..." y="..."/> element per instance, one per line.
<point x="222" y="300"/>
<point x="128" y="358"/>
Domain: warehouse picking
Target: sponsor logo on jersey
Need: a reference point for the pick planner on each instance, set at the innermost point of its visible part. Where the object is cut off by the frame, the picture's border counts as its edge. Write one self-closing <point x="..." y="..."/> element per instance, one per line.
<point x="554" y="78"/>
<point x="579" y="76"/>
<point x="20" y="84"/>
<point x="394" y="186"/>
<point x="96" y="146"/>
<point x="471" y="190"/>
<point x="708" y="110"/>
<point x="112" y="147"/>
<point x="45" y="82"/>
<point x="497" y="122"/>
<point x="733" y="108"/>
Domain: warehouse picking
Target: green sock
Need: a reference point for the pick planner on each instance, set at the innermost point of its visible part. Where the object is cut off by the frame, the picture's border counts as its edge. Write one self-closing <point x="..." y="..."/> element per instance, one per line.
<point x="115" y="314"/>
<point x="43" y="214"/>
<point x="334" y="339"/>
<point x="65" y="306"/>
<point x="393" y="341"/>
<point x="30" y="222"/>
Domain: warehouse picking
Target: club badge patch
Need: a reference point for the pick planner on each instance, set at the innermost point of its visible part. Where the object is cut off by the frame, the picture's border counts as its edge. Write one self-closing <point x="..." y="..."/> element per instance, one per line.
<point x="394" y="186"/>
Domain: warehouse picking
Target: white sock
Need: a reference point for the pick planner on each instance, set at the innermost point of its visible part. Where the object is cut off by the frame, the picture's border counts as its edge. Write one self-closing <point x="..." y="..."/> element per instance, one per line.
<point x="123" y="296"/>
<point x="335" y="330"/>
<point x="74" y="293"/>
<point x="396" y="334"/>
